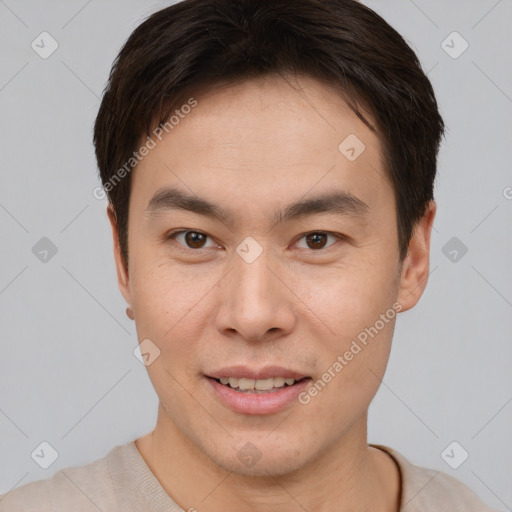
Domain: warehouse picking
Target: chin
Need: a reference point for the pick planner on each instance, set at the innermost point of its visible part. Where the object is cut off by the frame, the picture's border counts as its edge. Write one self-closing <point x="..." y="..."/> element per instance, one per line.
<point x="266" y="460"/>
<point x="267" y="466"/>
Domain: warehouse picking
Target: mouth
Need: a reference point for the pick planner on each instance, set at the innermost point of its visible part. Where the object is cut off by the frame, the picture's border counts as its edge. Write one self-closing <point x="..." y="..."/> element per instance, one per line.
<point x="267" y="391"/>
<point x="258" y="386"/>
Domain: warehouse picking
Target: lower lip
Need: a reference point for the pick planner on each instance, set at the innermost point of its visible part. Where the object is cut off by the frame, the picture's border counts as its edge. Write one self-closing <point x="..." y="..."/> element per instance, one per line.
<point x="257" y="403"/>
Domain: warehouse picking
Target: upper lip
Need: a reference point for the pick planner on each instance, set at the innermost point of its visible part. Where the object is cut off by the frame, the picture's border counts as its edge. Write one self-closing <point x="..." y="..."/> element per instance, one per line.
<point x="244" y="372"/>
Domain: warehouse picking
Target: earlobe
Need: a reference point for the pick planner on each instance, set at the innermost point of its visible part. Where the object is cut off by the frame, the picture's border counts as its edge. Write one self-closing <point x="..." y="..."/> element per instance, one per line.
<point x="415" y="268"/>
<point x="122" y="271"/>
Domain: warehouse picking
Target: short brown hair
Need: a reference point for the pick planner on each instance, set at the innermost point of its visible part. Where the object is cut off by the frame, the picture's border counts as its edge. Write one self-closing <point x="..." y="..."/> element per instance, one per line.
<point x="196" y="44"/>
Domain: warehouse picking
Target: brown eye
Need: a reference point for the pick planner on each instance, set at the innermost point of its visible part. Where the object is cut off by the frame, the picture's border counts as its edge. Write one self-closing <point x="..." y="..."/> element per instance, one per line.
<point x="190" y="239"/>
<point x="194" y="240"/>
<point x="317" y="240"/>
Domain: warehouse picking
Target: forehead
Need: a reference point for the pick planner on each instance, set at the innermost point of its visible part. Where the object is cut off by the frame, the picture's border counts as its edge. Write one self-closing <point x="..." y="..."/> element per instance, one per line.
<point x="266" y="138"/>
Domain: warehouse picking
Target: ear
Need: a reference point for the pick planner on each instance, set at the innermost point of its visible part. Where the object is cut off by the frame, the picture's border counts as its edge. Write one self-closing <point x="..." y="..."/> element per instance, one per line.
<point x="121" y="268"/>
<point x="415" y="267"/>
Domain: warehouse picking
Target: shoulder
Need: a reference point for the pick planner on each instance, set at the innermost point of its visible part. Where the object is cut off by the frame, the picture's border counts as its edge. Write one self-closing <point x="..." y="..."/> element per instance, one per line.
<point x="80" y="489"/>
<point x="429" y="489"/>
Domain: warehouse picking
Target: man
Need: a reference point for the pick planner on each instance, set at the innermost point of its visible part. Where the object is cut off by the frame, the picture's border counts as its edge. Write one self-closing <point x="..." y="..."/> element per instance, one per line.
<point x="269" y="168"/>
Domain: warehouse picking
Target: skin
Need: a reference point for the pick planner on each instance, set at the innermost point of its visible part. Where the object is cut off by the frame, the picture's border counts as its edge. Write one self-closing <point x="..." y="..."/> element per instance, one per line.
<point x="254" y="148"/>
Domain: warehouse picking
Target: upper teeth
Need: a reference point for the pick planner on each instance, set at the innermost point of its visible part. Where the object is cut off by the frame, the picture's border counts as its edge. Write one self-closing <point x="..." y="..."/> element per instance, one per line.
<point x="259" y="384"/>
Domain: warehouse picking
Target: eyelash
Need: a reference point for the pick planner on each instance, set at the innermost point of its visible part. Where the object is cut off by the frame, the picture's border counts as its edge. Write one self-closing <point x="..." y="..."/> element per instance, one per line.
<point x="172" y="236"/>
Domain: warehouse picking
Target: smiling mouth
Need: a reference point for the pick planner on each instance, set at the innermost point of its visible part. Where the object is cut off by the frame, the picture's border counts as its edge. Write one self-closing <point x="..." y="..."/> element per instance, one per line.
<point x="258" y="386"/>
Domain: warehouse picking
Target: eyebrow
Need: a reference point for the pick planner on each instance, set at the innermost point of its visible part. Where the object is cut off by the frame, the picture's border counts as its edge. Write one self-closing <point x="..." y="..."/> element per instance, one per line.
<point x="338" y="202"/>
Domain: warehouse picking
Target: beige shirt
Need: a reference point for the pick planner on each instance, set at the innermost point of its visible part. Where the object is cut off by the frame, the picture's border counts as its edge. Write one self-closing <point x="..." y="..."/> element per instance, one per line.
<point x="122" y="482"/>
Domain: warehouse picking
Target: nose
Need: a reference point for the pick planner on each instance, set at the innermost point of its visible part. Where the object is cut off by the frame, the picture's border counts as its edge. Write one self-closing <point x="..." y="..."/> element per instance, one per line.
<point x="255" y="301"/>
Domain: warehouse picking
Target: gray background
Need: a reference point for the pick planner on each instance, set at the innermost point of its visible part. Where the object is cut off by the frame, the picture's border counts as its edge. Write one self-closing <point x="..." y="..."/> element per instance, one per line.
<point x="68" y="375"/>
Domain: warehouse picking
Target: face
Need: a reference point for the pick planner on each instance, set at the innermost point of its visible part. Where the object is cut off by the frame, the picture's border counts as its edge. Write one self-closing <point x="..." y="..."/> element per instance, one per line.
<point x="260" y="250"/>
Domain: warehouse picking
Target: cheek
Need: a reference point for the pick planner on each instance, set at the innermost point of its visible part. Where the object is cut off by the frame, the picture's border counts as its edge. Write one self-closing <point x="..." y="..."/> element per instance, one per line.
<point x="350" y="371"/>
<point x="356" y="302"/>
<point x="165" y="292"/>
<point x="349" y="297"/>
<point x="169" y="308"/>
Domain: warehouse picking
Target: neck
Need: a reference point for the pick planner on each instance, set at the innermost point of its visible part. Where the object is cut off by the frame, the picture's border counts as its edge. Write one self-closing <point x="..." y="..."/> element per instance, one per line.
<point x="348" y="476"/>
